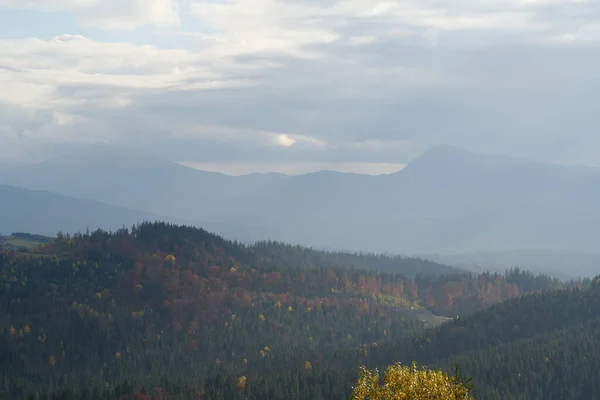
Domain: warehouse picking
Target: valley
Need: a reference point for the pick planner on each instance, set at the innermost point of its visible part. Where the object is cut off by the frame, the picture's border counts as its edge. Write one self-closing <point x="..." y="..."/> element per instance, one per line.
<point x="113" y="286"/>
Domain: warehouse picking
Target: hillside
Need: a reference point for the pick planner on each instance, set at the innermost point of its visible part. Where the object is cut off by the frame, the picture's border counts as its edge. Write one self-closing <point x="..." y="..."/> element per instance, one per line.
<point x="534" y="347"/>
<point x="181" y="309"/>
<point x="509" y="351"/>
<point x="447" y="201"/>
<point x="18" y="241"/>
<point x="47" y="213"/>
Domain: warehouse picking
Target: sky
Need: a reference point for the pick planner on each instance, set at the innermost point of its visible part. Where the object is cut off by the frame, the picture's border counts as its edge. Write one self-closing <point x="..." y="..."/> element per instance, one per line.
<point x="282" y="85"/>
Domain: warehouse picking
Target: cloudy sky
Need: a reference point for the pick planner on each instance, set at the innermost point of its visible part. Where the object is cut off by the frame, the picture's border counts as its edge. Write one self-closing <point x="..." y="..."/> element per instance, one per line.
<point x="255" y="85"/>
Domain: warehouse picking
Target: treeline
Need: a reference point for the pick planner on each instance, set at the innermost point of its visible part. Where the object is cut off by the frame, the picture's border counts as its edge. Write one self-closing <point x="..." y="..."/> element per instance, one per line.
<point x="32" y="237"/>
<point x="196" y="316"/>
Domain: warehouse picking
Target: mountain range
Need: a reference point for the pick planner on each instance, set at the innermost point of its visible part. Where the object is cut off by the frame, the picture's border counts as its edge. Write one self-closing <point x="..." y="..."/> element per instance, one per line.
<point x="448" y="200"/>
<point x="47" y="213"/>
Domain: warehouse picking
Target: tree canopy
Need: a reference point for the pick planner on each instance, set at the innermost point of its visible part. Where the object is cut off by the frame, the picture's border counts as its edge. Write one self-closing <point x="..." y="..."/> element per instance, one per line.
<point x="409" y="383"/>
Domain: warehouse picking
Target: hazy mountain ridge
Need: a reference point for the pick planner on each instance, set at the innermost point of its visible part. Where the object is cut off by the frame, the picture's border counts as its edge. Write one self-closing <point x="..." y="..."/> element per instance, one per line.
<point x="46" y="213"/>
<point x="448" y="200"/>
<point x="563" y="264"/>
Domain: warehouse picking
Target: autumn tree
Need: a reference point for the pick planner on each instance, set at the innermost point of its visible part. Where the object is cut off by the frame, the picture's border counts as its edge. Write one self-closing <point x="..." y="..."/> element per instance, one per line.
<point x="410" y="383"/>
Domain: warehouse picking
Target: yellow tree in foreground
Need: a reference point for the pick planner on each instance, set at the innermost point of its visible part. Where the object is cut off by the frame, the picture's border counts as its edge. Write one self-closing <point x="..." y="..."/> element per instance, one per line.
<point x="410" y="383"/>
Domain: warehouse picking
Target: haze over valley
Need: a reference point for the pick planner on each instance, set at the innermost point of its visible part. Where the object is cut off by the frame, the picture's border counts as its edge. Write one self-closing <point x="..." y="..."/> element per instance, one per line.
<point x="446" y="201"/>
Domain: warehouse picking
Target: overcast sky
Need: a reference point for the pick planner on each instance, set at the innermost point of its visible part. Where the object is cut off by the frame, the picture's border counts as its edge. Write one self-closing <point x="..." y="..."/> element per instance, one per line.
<point x="351" y="84"/>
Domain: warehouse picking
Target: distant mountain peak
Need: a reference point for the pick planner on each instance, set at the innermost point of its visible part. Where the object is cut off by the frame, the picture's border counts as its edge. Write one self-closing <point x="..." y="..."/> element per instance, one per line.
<point x="448" y="159"/>
<point x="438" y="160"/>
<point x="448" y="148"/>
<point x="445" y="152"/>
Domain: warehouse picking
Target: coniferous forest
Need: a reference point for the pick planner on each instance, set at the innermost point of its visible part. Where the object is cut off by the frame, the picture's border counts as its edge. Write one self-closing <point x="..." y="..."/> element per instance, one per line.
<point x="161" y="311"/>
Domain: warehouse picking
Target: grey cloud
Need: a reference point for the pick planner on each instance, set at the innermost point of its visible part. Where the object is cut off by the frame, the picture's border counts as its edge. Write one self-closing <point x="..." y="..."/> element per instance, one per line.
<point x="510" y="91"/>
<point x="525" y="98"/>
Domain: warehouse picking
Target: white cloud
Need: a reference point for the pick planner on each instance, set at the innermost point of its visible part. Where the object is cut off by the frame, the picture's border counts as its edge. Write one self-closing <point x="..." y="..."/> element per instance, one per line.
<point x="361" y="40"/>
<point x="277" y="23"/>
<point x="586" y="33"/>
<point x="63" y="119"/>
<point x="21" y="92"/>
<point x="33" y="71"/>
<point x="78" y="53"/>
<point x="110" y="14"/>
<point x="247" y="26"/>
<point x="550" y="2"/>
<point x="241" y="135"/>
<point x="284" y="140"/>
<point x="289" y="140"/>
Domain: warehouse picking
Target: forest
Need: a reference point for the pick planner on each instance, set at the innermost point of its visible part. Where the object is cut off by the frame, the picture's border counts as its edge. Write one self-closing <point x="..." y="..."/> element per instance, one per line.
<point x="160" y="311"/>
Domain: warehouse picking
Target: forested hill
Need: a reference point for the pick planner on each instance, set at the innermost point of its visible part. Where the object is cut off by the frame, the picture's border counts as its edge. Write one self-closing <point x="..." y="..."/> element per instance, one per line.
<point x="539" y="346"/>
<point x="284" y="255"/>
<point x="179" y="309"/>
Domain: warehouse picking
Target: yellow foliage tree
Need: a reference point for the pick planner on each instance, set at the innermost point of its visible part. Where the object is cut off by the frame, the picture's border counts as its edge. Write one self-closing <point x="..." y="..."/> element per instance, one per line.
<point x="409" y="383"/>
<point x="241" y="383"/>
